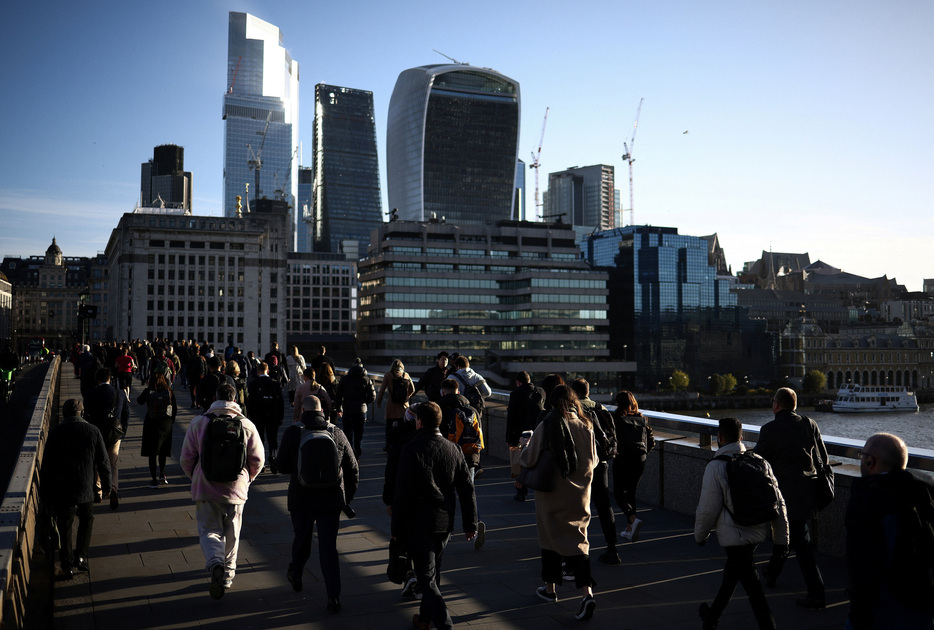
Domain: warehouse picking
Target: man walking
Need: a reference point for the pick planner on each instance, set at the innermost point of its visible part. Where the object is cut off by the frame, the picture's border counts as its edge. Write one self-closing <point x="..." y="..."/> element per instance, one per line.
<point x="888" y="528"/>
<point x="792" y="444"/>
<point x="433" y="376"/>
<point x="74" y="452"/>
<point x="108" y="409"/>
<point x="219" y="504"/>
<point x="716" y="509"/>
<point x="265" y="405"/>
<point x="354" y="392"/>
<point x="324" y="477"/>
<point x="526" y="402"/>
<point x="432" y="475"/>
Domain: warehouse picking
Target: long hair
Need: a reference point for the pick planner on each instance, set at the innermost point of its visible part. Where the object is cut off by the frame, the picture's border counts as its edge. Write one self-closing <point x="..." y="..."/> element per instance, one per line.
<point x="397" y="367"/>
<point x="328" y="374"/>
<point x="566" y="402"/>
<point x="159" y="382"/>
<point x="558" y="437"/>
<point x="626" y="404"/>
<point x="295" y="351"/>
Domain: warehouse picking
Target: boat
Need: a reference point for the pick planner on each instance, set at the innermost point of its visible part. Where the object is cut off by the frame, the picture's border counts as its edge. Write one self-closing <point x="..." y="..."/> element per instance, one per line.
<point x="874" y="399"/>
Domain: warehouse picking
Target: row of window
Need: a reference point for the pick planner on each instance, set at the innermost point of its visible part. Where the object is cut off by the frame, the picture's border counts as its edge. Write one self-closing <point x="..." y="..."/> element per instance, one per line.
<point x="480" y="283"/>
<point x="436" y="313"/>
<point x="468" y="298"/>
<point x="180" y="259"/>
<point x="479" y="253"/>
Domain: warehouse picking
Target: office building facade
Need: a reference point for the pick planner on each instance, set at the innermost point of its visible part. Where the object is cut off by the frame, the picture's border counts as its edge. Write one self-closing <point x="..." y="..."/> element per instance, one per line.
<point x="452" y="144"/>
<point x="346" y="199"/>
<point x="583" y="196"/>
<point x="303" y="236"/>
<point x="260" y="113"/>
<point x="164" y="181"/>
<point x="322" y="298"/>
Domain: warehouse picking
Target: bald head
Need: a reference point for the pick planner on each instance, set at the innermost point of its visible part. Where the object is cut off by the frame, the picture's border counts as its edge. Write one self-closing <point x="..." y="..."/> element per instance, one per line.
<point x="883" y="452"/>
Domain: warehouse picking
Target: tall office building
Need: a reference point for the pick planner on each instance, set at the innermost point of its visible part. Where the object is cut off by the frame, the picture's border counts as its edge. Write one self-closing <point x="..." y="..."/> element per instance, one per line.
<point x="164" y="181"/>
<point x="346" y="201"/>
<point x="260" y="114"/>
<point x="452" y="144"/>
<point x="303" y="210"/>
<point x="519" y="201"/>
<point x="584" y="195"/>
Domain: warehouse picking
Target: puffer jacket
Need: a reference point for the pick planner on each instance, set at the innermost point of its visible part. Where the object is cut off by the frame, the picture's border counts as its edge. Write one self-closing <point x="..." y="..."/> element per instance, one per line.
<point x="233" y="492"/>
<point x="712" y="507"/>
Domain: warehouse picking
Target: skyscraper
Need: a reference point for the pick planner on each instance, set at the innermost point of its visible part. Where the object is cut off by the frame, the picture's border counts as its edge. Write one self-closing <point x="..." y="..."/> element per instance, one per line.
<point x="585" y="195"/>
<point x="164" y="178"/>
<point x="346" y="201"/>
<point x="260" y="114"/>
<point x="303" y="210"/>
<point x="452" y="144"/>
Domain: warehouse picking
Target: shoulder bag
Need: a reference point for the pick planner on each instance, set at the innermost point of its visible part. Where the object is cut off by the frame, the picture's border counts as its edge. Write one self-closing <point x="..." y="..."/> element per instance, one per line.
<point x="542" y="475"/>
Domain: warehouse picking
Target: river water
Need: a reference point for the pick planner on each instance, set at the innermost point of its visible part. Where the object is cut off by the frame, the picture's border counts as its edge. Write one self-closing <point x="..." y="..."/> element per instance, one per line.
<point x="916" y="428"/>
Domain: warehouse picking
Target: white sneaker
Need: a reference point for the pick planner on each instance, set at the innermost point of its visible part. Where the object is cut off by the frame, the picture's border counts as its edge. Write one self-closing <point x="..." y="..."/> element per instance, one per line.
<point x="634" y="536"/>
<point x="626" y="535"/>
<point x="410" y="585"/>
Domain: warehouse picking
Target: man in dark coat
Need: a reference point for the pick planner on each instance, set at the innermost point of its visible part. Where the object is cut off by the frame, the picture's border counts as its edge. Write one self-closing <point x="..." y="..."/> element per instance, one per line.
<point x="354" y="392"/>
<point x="791" y="444"/>
<point x="317" y="363"/>
<point x="211" y="381"/>
<point x="108" y="409"/>
<point x="526" y="402"/>
<point x="889" y="524"/>
<point x="323" y="506"/>
<point x="433" y="377"/>
<point x="264" y="403"/>
<point x="432" y="476"/>
<point x="74" y="451"/>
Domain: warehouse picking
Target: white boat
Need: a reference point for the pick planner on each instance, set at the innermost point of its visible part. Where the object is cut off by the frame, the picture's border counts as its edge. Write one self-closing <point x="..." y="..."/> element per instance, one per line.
<point x="873" y="398"/>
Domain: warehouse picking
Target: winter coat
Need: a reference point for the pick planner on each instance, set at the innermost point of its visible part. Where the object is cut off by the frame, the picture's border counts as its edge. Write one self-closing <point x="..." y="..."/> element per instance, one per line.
<point x="525" y="404"/>
<point x="564" y="514"/>
<point x="310" y="388"/>
<point x="296" y="368"/>
<point x="207" y="388"/>
<point x="349" y="390"/>
<point x="74" y="451"/>
<point x="265" y="413"/>
<point x="394" y="410"/>
<point x="467" y="375"/>
<point x="788" y="444"/>
<point x="98" y="404"/>
<point x="715" y="499"/>
<point x="157" y="432"/>
<point x="432" y="475"/>
<point x="302" y="499"/>
<point x="233" y="492"/>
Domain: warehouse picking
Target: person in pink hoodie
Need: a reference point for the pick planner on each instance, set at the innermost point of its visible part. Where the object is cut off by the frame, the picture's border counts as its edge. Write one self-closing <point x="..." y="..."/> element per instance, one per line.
<point x="219" y="504"/>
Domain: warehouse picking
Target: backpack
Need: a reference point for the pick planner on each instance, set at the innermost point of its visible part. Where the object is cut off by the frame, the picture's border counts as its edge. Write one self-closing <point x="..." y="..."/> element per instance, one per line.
<point x="471" y="393"/>
<point x="159" y="404"/>
<point x="319" y="460"/>
<point x="399" y="389"/>
<point x="756" y="498"/>
<point x="632" y="435"/>
<point x="163" y="368"/>
<point x="466" y="431"/>
<point x="223" y="454"/>
<point x="267" y="405"/>
<point x="604" y="431"/>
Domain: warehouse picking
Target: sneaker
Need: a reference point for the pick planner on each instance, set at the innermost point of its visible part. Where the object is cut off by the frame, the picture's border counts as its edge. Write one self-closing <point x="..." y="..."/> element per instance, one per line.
<point x="217" y="581"/>
<point x="588" y="605"/>
<point x="165" y="480"/>
<point x="411" y="584"/>
<point x="543" y="593"/>
<point x="114" y="501"/>
<point x="706" y="617"/>
<point x="154" y="484"/>
<point x="566" y="574"/>
<point x="609" y="557"/>
<point x="294" y="579"/>
<point x="228" y="583"/>
<point x="634" y="536"/>
<point x="626" y="534"/>
<point x="481" y="535"/>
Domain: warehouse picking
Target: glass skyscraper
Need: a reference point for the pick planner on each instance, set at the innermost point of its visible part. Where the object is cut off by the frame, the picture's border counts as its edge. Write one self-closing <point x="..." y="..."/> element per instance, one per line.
<point x="452" y="144"/>
<point x="346" y="201"/>
<point x="260" y="114"/>
<point x="303" y="210"/>
<point x="585" y="195"/>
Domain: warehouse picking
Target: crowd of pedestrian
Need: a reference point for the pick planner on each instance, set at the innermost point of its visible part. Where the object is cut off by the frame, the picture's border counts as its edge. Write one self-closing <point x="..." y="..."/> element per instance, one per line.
<point x="569" y="448"/>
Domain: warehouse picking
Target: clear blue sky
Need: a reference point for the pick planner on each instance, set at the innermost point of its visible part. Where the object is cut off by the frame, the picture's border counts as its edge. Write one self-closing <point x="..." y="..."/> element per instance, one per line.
<point x="810" y="123"/>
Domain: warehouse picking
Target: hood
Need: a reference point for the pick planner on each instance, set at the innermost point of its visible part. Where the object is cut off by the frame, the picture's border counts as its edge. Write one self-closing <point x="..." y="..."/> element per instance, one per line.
<point x="224" y="407"/>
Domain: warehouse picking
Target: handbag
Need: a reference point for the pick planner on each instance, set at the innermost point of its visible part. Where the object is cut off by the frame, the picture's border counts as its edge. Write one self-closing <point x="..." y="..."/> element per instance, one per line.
<point x="515" y="452"/>
<point x="542" y="476"/>
<point x="398" y="563"/>
<point x="823" y="486"/>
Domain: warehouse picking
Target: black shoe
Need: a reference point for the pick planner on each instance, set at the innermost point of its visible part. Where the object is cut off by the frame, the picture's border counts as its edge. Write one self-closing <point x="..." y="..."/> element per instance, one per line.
<point x="67" y="572"/>
<point x="114" y="501"/>
<point x="334" y="605"/>
<point x="217" y="581"/>
<point x="81" y="564"/>
<point x="707" y="617"/>
<point x="609" y="557"/>
<point x="294" y="580"/>
<point x="811" y="603"/>
<point x="544" y="594"/>
<point x="768" y="578"/>
<point x="588" y="605"/>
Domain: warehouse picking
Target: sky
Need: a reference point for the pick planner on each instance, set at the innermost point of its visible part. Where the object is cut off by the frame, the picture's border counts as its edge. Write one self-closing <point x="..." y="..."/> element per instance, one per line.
<point x="809" y="124"/>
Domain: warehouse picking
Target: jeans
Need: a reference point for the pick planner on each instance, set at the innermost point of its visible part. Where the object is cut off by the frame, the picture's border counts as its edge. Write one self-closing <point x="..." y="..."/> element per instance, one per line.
<point x="426" y="551"/>
<point x="741" y="567"/>
<point x="303" y="524"/>
<point x="627" y="471"/>
<point x="219" y="534"/>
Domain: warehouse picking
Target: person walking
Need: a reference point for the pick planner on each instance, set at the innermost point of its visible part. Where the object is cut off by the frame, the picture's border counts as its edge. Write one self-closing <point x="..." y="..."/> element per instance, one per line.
<point x="354" y="392"/>
<point x="432" y="378"/>
<point x="325" y="454"/>
<point x="634" y="442"/>
<point x="265" y="406"/>
<point x="526" y="403"/>
<point x="108" y="408"/>
<point x="219" y="504"/>
<point x="563" y="514"/>
<point x="74" y="453"/>
<point x="793" y="445"/>
<point x="400" y="388"/>
<point x="311" y="387"/>
<point x="716" y="509"/>
<point x="295" y="365"/>
<point x="432" y="476"/>
<point x="161" y="411"/>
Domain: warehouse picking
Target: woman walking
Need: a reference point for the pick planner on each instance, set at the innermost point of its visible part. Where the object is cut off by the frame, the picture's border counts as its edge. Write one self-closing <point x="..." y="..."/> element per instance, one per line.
<point x="565" y="437"/>
<point x="157" y="425"/>
<point x="634" y="441"/>
<point x="295" y="364"/>
<point x="400" y="388"/>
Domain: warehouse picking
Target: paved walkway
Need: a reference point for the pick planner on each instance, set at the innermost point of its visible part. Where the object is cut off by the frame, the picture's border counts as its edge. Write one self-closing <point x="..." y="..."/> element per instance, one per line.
<point x="147" y="570"/>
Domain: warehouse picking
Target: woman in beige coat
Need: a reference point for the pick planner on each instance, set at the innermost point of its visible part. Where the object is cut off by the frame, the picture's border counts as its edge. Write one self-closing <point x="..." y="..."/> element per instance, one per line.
<point x="564" y="514"/>
<point x="397" y="399"/>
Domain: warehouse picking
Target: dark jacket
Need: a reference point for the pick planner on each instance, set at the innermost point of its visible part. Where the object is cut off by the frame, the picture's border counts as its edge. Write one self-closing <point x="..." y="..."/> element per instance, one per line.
<point x="432" y="471"/>
<point x="74" y="451"/>
<point x="317" y="499"/>
<point x="264" y="403"/>
<point x="888" y="553"/>
<point x="791" y="443"/>
<point x="208" y="387"/>
<point x="431" y="381"/>
<point x="354" y="392"/>
<point x="526" y="402"/>
<point x="100" y="403"/>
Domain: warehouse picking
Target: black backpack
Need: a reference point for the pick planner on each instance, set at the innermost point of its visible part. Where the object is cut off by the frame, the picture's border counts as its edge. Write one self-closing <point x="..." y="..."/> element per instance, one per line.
<point x="319" y="459"/>
<point x="756" y="498"/>
<point x="159" y="404"/>
<point x="471" y="393"/>
<point x="399" y="389"/>
<point x="223" y="454"/>
<point x="632" y="435"/>
<point x="604" y="431"/>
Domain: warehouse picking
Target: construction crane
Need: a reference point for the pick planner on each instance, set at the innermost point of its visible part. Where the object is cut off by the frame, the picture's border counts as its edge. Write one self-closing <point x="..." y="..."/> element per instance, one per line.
<point x="536" y="162"/>
<point x="627" y="157"/>
<point x="255" y="161"/>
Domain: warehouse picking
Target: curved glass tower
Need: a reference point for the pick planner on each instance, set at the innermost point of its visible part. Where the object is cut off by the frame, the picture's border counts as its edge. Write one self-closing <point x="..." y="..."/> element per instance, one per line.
<point x="452" y="144"/>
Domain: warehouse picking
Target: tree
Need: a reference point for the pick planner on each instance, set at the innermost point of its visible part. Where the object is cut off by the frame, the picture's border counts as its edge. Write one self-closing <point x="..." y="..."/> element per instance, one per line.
<point x="815" y="382"/>
<point x="716" y="385"/>
<point x="679" y="381"/>
<point x="729" y="382"/>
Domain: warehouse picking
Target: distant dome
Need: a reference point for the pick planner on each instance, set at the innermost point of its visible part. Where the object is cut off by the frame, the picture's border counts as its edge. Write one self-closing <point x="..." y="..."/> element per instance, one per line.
<point x="53" y="255"/>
